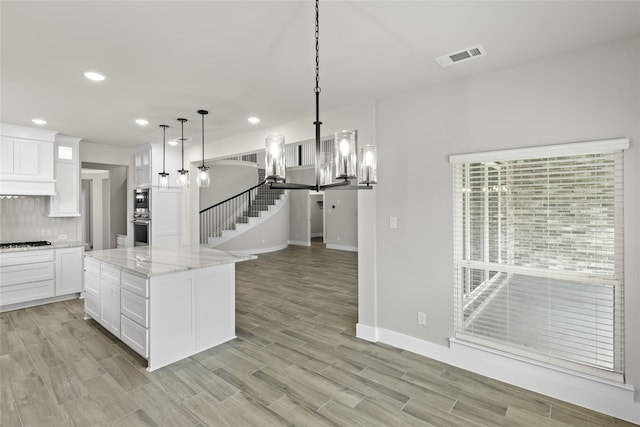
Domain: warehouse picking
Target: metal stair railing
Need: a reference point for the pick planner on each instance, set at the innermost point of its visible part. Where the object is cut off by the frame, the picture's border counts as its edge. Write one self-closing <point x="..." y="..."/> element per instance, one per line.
<point x="236" y="209"/>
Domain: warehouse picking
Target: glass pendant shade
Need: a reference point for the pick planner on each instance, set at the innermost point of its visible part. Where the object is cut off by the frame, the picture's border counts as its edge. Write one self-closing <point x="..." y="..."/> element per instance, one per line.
<point x="326" y="168"/>
<point x="163" y="181"/>
<point x="274" y="159"/>
<point x="163" y="177"/>
<point x="346" y="154"/>
<point x="204" y="179"/>
<point x="183" y="178"/>
<point x="368" y="163"/>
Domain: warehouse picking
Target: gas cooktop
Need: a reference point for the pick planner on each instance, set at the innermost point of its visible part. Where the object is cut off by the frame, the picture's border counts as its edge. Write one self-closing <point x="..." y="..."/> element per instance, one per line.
<point x="36" y="243"/>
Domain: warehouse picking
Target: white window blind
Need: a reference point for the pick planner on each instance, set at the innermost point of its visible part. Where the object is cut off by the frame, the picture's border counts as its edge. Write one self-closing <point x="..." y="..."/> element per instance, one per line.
<point x="538" y="253"/>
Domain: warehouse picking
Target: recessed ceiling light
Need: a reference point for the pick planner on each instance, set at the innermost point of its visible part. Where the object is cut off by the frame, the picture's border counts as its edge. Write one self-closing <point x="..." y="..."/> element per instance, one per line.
<point x="39" y="122"/>
<point x="92" y="75"/>
<point x="142" y="122"/>
<point x="254" y="120"/>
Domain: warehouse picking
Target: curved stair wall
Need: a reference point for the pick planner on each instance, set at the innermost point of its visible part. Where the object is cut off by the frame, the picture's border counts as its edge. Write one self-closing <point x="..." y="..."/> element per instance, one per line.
<point x="266" y="233"/>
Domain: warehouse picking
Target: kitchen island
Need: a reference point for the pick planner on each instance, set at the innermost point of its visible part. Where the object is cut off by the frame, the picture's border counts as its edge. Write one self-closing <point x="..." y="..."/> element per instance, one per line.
<point x="166" y="303"/>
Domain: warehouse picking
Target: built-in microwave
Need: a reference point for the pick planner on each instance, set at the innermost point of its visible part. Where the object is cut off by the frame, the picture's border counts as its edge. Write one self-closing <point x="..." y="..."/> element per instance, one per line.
<point x="142" y="200"/>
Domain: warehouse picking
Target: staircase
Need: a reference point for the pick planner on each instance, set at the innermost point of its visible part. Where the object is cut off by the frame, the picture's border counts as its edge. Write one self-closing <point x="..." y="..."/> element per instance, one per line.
<point x="238" y="214"/>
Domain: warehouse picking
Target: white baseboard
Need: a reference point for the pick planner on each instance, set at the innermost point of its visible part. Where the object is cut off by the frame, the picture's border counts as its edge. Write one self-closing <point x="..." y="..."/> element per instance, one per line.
<point x="342" y="248"/>
<point x="607" y="397"/>
<point x="20" y="305"/>
<point x="262" y="250"/>
<point x="316" y="235"/>
<point x="293" y="242"/>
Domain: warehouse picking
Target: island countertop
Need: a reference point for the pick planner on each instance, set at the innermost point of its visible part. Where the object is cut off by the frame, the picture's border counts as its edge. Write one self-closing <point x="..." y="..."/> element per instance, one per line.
<point x="158" y="260"/>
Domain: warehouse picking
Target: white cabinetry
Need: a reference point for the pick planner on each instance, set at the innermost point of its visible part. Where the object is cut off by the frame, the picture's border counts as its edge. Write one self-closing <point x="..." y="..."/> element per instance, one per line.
<point x="34" y="277"/>
<point x="142" y="164"/>
<point x="135" y="313"/>
<point x="66" y="202"/>
<point x="68" y="271"/>
<point x="26" y="276"/>
<point x="110" y="299"/>
<point x="26" y="165"/>
<point x="167" y="317"/>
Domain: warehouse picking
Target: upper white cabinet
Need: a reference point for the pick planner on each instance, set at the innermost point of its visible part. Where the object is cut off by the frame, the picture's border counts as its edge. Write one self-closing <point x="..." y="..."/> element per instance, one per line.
<point x="26" y="161"/>
<point x="66" y="202"/>
<point x="142" y="163"/>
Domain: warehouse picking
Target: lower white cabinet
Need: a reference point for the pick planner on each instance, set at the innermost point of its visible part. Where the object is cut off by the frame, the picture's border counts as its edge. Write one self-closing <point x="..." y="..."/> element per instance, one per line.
<point x="110" y="306"/>
<point x="68" y="271"/>
<point x="118" y="301"/>
<point x="167" y="317"/>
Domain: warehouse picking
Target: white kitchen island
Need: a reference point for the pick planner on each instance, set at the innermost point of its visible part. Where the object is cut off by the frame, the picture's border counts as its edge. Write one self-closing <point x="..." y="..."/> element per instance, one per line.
<point x="166" y="303"/>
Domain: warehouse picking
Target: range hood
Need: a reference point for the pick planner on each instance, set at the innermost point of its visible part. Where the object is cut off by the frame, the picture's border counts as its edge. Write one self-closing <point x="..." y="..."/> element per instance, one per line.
<point x="26" y="161"/>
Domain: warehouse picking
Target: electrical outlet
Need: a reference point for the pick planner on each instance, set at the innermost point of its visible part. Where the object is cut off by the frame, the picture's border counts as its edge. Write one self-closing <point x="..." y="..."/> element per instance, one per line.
<point x="422" y="318"/>
<point x="62" y="237"/>
<point x="393" y="222"/>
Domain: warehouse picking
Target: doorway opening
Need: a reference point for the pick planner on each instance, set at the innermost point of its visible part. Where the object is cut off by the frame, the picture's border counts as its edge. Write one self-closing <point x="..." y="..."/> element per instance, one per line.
<point x="103" y="204"/>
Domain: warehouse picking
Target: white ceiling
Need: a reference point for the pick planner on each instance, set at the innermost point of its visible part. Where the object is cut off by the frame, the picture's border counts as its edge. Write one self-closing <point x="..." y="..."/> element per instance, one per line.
<point x="167" y="59"/>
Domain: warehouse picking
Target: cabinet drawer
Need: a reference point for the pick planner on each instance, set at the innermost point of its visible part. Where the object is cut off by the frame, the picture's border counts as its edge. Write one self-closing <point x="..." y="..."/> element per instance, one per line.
<point x="92" y="307"/>
<point x="91" y="285"/>
<point x="92" y="266"/>
<point x="135" y="336"/>
<point x="26" y="257"/>
<point x="137" y="285"/>
<point x="110" y="274"/>
<point x="16" y="274"/>
<point x="23" y="292"/>
<point x="135" y="308"/>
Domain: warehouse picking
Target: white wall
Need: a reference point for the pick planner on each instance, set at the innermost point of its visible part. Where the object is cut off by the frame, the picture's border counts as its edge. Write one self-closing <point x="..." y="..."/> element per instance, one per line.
<point x="341" y="219"/>
<point x="228" y="178"/>
<point x="586" y="95"/>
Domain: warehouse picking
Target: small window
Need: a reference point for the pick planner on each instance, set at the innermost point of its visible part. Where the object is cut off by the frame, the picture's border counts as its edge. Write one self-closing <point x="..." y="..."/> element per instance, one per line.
<point x="65" y="153"/>
<point x="538" y="253"/>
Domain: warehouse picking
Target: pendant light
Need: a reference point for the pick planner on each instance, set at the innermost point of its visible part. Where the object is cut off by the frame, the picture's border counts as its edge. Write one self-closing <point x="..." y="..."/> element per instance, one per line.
<point x="163" y="177"/>
<point x="203" y="171"/>
<point x="345" y="151"/>
<point x="183" y="175"/>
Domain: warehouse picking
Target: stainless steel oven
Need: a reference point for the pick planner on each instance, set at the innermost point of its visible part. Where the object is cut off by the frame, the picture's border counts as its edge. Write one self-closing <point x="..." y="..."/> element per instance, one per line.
<point x="142" y="217"/>
<point x="142" y="200"/>
<point x="141" y="229"/>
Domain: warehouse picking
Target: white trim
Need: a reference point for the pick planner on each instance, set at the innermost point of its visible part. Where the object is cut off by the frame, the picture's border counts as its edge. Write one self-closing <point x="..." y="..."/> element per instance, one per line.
<point x="570" y="149"/>
<point x="366" y="332"/>
<point x="27" y="304"/>
<point x="317" y="235"/>
<point x="607" y="397"/>
<point x="297" y="243"/>
<point x="259" y="250"/>
<point x="342" y="247"/>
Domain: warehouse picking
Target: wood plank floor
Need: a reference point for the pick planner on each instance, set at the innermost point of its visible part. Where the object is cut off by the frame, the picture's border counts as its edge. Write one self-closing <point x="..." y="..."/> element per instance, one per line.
<point x="295" y="362"/>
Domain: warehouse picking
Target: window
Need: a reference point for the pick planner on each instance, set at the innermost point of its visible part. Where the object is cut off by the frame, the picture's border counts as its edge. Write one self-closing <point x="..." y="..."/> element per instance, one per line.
<point x="538" y="253"/>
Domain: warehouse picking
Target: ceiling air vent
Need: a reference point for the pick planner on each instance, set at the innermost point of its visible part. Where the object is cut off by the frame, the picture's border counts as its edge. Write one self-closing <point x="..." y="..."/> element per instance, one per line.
<point x="463" y="55"/>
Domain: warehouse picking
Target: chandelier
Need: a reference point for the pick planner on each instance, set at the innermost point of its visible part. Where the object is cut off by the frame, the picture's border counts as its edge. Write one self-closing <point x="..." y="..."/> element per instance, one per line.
<point x="345" y="165"/>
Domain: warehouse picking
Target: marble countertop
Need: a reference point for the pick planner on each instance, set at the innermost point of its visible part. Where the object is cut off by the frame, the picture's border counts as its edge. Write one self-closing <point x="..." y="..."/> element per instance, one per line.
<point x="53" y="245"/>
<point x="157" y="260"/>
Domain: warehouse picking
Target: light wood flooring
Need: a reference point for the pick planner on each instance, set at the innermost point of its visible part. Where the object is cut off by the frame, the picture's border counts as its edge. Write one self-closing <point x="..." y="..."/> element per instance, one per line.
<point x="295" y="362"/>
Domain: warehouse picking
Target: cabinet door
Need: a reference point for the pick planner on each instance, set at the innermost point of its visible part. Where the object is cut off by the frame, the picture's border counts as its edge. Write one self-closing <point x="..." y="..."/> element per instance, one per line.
<point x="68" y="271"/>
<point x="110" y="307"/>
<point x="66" y="202"/>
<point x="142" y="162"/>
<point x="26" y="160"/>
<point x="6" y="156"/>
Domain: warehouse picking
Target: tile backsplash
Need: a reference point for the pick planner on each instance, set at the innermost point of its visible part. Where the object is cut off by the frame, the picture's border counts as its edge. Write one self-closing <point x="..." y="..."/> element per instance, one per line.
<point x="25" y="218"/>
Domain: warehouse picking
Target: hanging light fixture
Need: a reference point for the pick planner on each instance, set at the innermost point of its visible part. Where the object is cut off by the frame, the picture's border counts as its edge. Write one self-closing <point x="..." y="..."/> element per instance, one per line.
<point x="203" y="175"/>
<point x="183" y="175"/>
<point x="345" y="152"/>
<point x="163" y="177"/>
